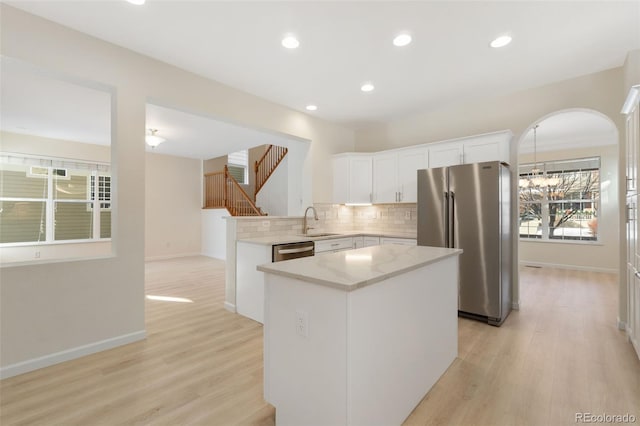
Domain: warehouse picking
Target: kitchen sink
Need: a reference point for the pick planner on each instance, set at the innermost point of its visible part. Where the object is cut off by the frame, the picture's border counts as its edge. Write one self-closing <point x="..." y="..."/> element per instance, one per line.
<point x="322" y="234"/>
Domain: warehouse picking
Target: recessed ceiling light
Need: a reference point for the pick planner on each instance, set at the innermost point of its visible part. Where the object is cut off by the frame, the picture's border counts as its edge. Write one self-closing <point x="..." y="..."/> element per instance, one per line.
<point x="402" y="40"/>
<point x="367" y="87"/>
<point x="137" y="2"/>
<point x="290" y="42"/>
<point x="311" y="107"/>
<point x="501" y="41"/>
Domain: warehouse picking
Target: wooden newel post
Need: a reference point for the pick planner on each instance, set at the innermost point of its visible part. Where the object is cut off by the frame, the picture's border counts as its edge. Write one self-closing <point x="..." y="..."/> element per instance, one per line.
<point x="226" y="174"/>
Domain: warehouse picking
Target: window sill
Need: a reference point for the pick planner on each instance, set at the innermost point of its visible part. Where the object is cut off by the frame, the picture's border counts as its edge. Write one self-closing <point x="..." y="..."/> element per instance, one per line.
<point x="572" y="242"/>
<point x="53" y="243"/>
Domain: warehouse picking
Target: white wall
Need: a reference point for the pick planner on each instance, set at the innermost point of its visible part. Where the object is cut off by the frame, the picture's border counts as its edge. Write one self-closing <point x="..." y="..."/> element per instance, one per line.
<point x="173" y="199"/>
<point x="602" y="256"/>
<point x="214" y="233"/>
<point x="273" y="198"/>
<point x="77" y="307"/>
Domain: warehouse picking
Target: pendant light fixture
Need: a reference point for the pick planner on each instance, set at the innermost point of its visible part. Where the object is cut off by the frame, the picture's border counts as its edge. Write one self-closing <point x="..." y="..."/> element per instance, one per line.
<point x="535" y="178"/>
<point x="152" y="139"/>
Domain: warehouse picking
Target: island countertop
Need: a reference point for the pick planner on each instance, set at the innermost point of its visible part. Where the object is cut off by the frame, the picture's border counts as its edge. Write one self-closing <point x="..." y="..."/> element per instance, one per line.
<point x="353" y="269"/>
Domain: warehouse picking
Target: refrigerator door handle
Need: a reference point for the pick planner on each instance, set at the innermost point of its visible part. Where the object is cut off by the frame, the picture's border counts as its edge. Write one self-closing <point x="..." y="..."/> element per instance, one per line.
<point x="452" y="215"/>
<point x="445" y="207"/>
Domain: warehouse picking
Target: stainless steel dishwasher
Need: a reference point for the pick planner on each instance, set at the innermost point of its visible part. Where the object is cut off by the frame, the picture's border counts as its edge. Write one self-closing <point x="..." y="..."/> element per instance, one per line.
<point x="292" y="251"/>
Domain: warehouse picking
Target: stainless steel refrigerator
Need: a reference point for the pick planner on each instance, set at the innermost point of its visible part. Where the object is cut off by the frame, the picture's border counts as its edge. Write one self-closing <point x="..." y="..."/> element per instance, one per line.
<point x="468" y="207"/>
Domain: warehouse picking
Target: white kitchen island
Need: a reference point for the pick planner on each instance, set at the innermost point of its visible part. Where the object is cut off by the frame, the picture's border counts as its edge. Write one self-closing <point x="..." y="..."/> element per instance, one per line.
<point x="358" y="337"/>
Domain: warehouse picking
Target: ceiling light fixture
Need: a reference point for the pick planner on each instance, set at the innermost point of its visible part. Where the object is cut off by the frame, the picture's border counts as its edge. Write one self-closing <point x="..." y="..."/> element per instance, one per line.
<point x="501" y="41"/>
<point x="367" y="87"/>
<point x="290" y="42"/>
<point x="137" y="2"/>
<point x="537" y="178"/>
<point x="311" y="107"/>
<point x="152" y="139"/>
<point x="402" y="40"/>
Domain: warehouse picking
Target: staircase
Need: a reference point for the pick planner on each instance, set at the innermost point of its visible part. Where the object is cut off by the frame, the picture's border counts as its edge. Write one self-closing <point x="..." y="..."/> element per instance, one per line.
<point x="223" y="191"/>
<point x="266" y="165"/>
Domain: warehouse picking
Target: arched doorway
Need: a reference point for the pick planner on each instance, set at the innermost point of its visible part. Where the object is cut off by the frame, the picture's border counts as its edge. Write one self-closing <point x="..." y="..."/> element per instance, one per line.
<point x="568" y="198"/>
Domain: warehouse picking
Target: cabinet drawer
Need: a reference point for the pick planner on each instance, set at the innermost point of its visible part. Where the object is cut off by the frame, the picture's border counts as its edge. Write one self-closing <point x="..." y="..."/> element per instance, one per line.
<point x="333" y="244"/>
<point x="402" y="241"/>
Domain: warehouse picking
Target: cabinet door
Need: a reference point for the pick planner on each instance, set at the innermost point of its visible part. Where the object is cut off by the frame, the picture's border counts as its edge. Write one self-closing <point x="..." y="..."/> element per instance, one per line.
<point x="341" y="180"/>
<point x="360" y="187"/>
<point x="634" y="313"/>
<point x="371" y="241"/>
<point x="385" y="171"/>
<point x="409" y="162"/>
<point x="486" y="149"/>
<point x="444" y="155"/>
<point x="358" y="242"/>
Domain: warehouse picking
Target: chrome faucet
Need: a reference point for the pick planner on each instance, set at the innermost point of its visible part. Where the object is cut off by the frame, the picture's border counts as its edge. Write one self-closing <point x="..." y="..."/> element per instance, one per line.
<point x="305" y="227"/>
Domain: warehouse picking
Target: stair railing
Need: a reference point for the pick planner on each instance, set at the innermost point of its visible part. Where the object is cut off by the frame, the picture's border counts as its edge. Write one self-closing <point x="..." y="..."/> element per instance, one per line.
<point x="267" y="164"/>
<point x="223" y="191"/>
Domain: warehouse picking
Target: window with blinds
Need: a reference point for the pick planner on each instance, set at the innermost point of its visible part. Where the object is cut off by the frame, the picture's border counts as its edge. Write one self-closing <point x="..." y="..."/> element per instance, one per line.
<point x="559" y="199"/>
<point x="238" y="164"/>
<point x="48" y="200"/>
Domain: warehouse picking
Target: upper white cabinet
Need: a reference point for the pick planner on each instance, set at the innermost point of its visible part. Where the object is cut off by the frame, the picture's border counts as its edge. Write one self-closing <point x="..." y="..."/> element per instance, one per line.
<point x="352" y="174"/>
<point x="391" y="176"/>
<point x="395" y="175"/>
<point x="445" y="154"/>
<point x="474" y="149"/>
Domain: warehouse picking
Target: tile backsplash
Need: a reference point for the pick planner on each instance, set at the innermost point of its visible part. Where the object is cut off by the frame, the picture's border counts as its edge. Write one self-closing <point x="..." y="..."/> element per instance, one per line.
<point x="393" y="218"/>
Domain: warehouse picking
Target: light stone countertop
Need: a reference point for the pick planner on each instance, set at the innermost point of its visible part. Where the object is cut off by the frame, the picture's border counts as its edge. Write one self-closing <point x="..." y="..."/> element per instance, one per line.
<point x="352" y="269"/>
<point x="296" y="238"/>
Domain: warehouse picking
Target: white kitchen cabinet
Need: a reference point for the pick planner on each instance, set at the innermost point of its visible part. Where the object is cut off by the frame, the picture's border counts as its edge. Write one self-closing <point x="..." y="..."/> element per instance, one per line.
<point x="371" y="241"/>
<point x="385" y="177"/>
<point x="358" y="242"/>
<point x="474" y="149"/>
<point x="333" y="245"/>
<point x="400" y="241"/>
<point x="632" y="142"/>
<point x="352" y="178"/>
<point x="445" y="154"/>
<point x="395" y="175"/>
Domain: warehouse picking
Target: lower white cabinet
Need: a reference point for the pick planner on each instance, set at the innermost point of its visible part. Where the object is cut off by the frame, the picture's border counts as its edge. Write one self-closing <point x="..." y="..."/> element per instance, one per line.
<point x="371" y="241"/>
<point x="333" y="245"/>
<point x="401" y="241"/>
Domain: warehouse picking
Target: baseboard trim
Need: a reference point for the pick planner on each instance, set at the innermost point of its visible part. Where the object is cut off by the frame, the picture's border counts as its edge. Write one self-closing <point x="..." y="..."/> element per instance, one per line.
<point x="171" y="256"/>
<point x="69" y="354"/>
<point x="574" y="267"/>
<point x="230" y="307"/>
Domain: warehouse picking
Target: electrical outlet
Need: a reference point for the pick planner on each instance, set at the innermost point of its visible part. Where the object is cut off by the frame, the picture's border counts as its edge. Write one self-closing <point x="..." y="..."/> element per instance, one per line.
<point x="302" y="323"/>
<point x="266" y="224"/>
<point x="407" y="214"/>
<point x="37" y="254"/>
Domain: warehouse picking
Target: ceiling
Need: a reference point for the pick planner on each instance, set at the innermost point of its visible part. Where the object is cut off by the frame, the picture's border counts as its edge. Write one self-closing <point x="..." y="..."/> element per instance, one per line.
<point x="343" y="44"/>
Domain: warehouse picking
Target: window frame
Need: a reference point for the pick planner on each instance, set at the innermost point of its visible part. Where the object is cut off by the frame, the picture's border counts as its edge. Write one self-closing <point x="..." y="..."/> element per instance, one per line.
<point x="544" y="202"/>
<point x="95" y="168"/>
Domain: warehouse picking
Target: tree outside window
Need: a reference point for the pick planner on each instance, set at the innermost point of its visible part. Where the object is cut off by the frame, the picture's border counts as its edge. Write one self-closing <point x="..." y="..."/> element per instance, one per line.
<point x="561" y="201"/>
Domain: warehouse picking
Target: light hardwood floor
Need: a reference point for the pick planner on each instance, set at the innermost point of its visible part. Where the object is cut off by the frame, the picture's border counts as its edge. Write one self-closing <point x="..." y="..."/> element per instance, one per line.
<point x="560" y="354"/>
